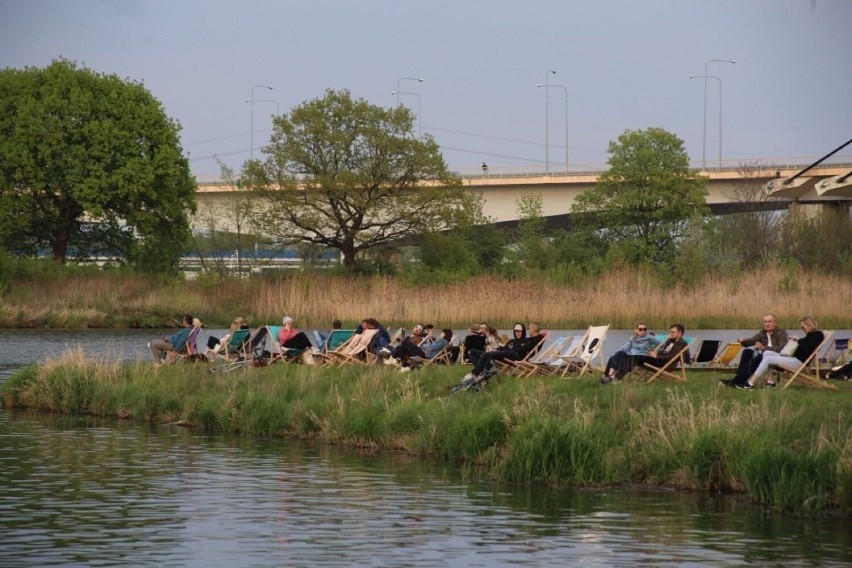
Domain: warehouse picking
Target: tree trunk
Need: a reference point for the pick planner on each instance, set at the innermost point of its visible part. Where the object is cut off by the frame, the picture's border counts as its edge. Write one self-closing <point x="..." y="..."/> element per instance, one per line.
<point x="347" y="249"/>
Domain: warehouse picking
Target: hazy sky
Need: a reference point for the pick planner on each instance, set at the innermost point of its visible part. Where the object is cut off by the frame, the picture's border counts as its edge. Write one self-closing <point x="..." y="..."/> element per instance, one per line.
<point x="625" y="65"/>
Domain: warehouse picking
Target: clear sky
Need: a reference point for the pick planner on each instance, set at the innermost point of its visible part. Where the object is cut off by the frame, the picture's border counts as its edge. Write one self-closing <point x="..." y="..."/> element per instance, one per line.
<point x="625" y="64"/>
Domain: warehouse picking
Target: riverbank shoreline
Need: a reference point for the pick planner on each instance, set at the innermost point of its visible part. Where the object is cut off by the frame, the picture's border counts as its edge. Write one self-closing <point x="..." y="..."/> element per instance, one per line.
<point x="788" y="449"/>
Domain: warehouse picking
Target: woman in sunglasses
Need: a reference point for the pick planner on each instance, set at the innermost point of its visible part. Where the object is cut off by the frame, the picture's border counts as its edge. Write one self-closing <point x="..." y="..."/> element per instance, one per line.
<point x="623" y="361"/>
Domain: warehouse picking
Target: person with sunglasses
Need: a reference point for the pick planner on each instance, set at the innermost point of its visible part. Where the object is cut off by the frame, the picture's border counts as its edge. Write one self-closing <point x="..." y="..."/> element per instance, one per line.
<point x="623" y="361"/>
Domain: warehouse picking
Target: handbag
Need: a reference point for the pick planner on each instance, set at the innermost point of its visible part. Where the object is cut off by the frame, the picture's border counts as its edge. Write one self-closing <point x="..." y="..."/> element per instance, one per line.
<point x="789" y="348"/>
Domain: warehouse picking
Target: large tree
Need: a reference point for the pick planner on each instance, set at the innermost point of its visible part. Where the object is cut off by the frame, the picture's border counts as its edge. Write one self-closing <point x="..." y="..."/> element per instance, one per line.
<point x="90" y="164"/>
<point x="349" y="175"/>
<point x="646" y="199"/>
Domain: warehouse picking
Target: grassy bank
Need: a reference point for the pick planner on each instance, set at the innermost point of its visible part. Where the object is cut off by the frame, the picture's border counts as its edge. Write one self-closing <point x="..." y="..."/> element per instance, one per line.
<point x="618" y="297"/>
<point x="787" y="449"/>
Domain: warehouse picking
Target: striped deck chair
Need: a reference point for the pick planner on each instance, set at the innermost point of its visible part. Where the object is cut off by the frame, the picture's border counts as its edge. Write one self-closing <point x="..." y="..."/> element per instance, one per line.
<point x="590" y="355"/>
<point x="728" y="358"/>
<point x="668" y="371"/>
<point x="809" y="373"/>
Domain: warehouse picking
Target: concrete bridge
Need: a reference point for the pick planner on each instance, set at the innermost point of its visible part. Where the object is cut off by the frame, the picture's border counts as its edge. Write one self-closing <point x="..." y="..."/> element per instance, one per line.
<point x="729" y="190"/>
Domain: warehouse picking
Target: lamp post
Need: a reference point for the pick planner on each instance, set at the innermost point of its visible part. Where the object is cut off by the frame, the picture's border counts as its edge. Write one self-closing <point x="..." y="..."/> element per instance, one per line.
<point x="704" y="137"/>
<point x="404" y="79"/>
<point x="705" y="77"/>
<point x="252" y="101"/>
<point x="419" y="120"/>
<point x="565" y="90"/>
<point x="251" y="135"/>
<point x="547" y="120"/>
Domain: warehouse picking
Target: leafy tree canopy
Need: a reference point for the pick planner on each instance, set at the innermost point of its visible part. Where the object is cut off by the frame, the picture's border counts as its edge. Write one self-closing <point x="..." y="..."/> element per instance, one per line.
<point x="90" y="164"/>
<point x="346" y="174"/>
<point x="646" y="199"/>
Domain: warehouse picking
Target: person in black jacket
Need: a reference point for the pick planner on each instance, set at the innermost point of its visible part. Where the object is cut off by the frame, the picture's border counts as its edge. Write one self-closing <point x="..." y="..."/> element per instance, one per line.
<point x="516" y="349"/>
<point x="673" y="345"/>
<point x="807" y="345"/>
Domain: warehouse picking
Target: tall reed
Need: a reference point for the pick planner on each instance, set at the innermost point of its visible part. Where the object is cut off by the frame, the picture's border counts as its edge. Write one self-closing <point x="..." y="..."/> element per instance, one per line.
<point x="618" y="297"/>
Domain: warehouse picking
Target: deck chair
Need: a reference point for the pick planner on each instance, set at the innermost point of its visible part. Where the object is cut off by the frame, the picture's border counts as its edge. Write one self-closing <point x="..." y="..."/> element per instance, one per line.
<point x="547" y="360"/>
<point x="509" y="366"/>
<point x="669" y="371"/>
<point x="837" y="353"/>
<point x="354" y="351"/>
<point x="442" y="357"/>
<point x="237" y="346"/>
<point x="809" y="373"/>
<point x="278" y="354"/>
<point x="728" y="358"/>
<point x="337" y="338"/>
<point x="187" y="352"/>
<point x="550" y="348"/>
<point x="589" y="357"/>
<point x="705" y="353"/>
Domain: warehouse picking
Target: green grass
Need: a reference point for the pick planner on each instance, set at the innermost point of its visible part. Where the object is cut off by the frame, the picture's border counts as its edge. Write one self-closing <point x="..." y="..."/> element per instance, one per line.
<point x="788" y="449"/>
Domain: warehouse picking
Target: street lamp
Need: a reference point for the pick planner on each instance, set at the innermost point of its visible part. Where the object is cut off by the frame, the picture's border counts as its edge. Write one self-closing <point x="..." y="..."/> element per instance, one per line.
<point x="705" y="77"/>
<point x="547" y="120"/>
<point x="251" y="135"/>
<point x="404" y="79"/>
<point x="704" y="143"/>
<point x="419" y="119"/>
<point x="565" y="90"/>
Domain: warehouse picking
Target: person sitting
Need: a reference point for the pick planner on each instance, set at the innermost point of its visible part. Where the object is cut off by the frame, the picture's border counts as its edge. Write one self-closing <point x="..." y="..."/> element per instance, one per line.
<point x="807" y="345"/>
<point x="475" y="341"/>
<point x="673" y="345"/>
<point x="291" y="338"/>
<point x="493" y="340"/>
<point x="176" y="342"/>
<point x="406" y="351"/>
<point x="215" y="345"/>
<point x="382" y="337"/>
<point x="401" y="351"/>
<point x="768" y="340"/>
<point x="516" y="349"/>
<point x="322" y="338"/>
<point x="623" y="361"/>
<point x="429" y="334"/>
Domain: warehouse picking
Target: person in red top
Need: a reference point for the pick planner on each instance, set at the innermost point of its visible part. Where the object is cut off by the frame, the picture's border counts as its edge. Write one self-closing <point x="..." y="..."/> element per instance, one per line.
<point x="291" y="338"/>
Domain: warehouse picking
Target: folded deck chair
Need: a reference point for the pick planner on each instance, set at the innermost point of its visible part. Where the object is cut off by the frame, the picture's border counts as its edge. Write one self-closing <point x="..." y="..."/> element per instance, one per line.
<point x="590" y="355"/>
<point x="667" y="372"/>
<point x="728" y="358"/>
<point x="186" y="352"/>
<point x="809" y="372"/>
<point x="705" y="353"/>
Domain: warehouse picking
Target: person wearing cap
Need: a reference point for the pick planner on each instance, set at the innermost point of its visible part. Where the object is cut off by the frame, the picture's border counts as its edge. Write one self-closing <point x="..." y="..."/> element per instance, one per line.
<point x="291" y="338"/>
<point x="516" y="349"/>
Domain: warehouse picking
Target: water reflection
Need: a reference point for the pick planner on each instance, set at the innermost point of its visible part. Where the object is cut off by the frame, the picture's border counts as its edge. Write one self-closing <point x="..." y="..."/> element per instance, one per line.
<point x="87" y="491"/>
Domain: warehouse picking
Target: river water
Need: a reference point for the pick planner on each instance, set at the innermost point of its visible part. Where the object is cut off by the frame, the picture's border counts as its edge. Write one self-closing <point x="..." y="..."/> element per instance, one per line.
<point x="84" y="491"/>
